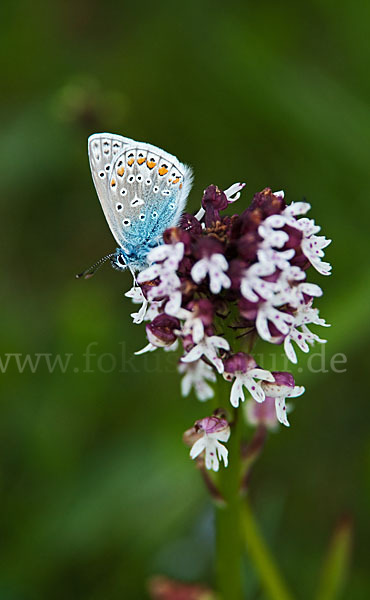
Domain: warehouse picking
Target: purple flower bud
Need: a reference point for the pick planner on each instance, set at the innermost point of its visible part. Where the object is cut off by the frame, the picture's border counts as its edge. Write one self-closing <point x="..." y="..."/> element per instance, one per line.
<point x="235" y="272"/>
<point x="161" y="331"/>
<point x="295" y="237"/>
<point x="268" y="203"/>
<point x="211" y="425"/>
<point x="239" y="363"/>
<point x="205" y="247"/>
<point x="283" y="383"/>
<point x="283" y="378"/>
<point x="248" y="245"/>
<point x="213" y="201"/>
<point x="248" y="309"/>
<point x="190" y="224"/>
<point x="176" y="234"/>
<point x="203" y="309"/>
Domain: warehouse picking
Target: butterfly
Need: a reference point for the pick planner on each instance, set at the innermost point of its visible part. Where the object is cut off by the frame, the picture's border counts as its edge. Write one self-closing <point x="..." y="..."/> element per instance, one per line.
<point x="142" y="191"/>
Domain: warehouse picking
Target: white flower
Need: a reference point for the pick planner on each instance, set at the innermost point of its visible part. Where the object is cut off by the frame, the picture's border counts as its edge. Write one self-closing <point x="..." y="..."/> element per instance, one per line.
<point x="214" y="431"/>
<point x="313" y="245"/>
<point x="148" y="348"/>
<point x="273" y="239"/>
<point x="279" y="258"/>
<point x="288" y="292"/>
<point x="169" y="284"/>
<point x="303" y="337"/>
<point x="215" y="266"/>
<point x="267" y="312"/>
<point x="252" y="283"/>
<point x="193" y="325"/>
<point x="269" y="230"/>
<point x="137" y="297"/>
<point x="208" y="347"/>
<point x="233" y="192"/>
<point x="280" y="391"/>
<point x="196" y="375"/>
<point x="245" y="377"/>
<point x="151" y="347"/>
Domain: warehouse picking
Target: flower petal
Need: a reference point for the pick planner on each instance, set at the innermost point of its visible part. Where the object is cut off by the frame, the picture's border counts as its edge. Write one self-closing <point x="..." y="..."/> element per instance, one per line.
<point x="281" y="411"/>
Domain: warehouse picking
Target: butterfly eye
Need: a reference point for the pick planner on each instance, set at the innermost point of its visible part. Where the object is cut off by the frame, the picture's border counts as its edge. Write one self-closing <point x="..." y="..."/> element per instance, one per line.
<point x="126" y="222"/>
<point x="154" y="214"/>
<point x="119" y="207"/>
<point x="156" y="189"/>
<point x="102" y="174"/>
<point x="123" y="192"/>
<point x="142" y="217"/>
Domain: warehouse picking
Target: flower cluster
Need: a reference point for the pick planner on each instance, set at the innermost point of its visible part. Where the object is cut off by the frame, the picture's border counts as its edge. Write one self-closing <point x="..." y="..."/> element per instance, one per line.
<point x="217" y="278"/>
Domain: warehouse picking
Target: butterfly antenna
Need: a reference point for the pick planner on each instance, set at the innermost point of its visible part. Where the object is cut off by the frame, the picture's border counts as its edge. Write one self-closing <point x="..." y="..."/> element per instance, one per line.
<point x="92" y="270"/>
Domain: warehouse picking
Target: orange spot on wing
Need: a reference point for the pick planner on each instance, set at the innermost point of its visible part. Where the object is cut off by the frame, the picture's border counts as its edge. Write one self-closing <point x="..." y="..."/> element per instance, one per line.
<point x="113" y="182"/>
<point x="151" y="164"/>
<point x="130" y="162"/>
<point x="140" y="161"/>
<point x="180" y="186"/>
<point x="121" y="171"/>
<point x="162" y="171"/>
<point x="176" y="180"/>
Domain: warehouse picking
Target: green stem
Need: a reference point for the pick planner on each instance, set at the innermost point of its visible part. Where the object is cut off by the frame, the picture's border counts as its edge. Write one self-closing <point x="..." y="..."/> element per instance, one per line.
<point x="260" y="555"/>
<point x="229" y="546"/>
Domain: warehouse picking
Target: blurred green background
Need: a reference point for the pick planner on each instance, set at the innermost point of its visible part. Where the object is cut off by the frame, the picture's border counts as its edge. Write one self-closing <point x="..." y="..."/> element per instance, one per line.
<point x="97" y="491"/>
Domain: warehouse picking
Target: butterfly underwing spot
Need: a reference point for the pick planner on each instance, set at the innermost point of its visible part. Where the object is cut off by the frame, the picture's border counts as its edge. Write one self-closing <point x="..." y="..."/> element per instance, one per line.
<point x="171" y="206"/>
<point x="113" y="183"/>
<point x="131" y="179"/>
<point x="166" y="193"/>
<point x="123" y="192"/>
<point x="156" y="189"/>
<point x="101" y="174"/>
<point x="136" y="201"/>
<point x="142" y="217"/>
<point x="120" y="171"/>
<point x="126" y="222"/>
<point x="131" y="159"/>
<point x="139" y="178"/>
<point x="163" y="169"/>
<point x="141" y="158"/>
<point x="154" y="214"/>
<point x="148" y="181"/>
<point x="152" y="161"/>
<point x="119" y="207"/>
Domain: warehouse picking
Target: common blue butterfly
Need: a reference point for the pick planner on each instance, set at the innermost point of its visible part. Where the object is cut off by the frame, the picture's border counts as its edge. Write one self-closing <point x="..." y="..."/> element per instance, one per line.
<point x="142" y="190"/>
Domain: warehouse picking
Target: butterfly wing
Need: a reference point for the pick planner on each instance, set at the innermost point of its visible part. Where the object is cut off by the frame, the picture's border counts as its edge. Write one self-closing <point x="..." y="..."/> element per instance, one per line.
<point x="102" y="150"/>
<point x="144" y="194"/>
